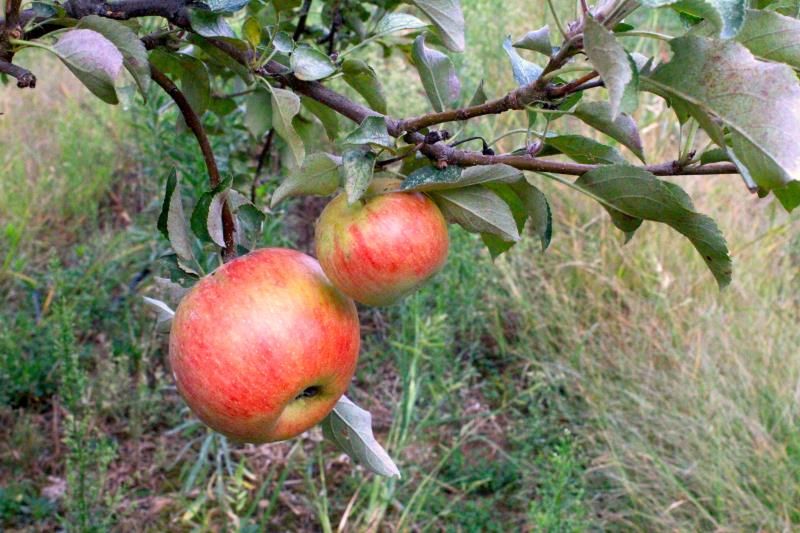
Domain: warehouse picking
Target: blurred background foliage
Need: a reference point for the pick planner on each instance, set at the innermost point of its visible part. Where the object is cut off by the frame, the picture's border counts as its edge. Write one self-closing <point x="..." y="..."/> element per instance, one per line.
<point x="599" y="386"/>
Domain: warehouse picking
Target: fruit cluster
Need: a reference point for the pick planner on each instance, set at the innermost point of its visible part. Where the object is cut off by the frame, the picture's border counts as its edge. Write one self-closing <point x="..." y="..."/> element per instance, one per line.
<point x="264" y="347"/>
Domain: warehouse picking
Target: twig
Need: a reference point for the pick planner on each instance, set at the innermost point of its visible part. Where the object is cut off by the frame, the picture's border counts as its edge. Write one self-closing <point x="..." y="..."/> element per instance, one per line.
<point x="194" y="124"/>
<point x="262" y="158"/>
<point x="569" y="88"/>
<point x="336" y="21"/>
<point x="25" y="78"/>
<point x="301" y="24"/>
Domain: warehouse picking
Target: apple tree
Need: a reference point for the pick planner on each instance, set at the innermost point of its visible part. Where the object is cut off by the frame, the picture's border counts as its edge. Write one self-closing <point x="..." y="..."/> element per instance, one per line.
<point x="731" y="74"/>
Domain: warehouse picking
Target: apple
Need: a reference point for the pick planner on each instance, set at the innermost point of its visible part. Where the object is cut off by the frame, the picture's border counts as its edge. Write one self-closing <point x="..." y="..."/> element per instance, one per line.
<point x="383" y="247"/>
<point x="264" y="347"/>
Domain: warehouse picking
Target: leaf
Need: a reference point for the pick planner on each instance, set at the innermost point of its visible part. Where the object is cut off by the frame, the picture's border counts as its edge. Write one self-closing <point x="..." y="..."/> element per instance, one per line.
<point x="357" y="167"/>
<point x="350" y="428"/>
<point x="538" y="210"/>
<point x="363" y="79"/>
<point x="309" y="64"/>
<point x="448" y="18"/>
<point x="326" y="115"/>
<point x="609" y="59"/>
<point x="258" y="113"/>
<point x="285" y="106"/>
<point x="172" y="221"/>
<point x="437" y="73"/>
<point x="525" y="72"/>
<point x="251" y="30"/>
<point x="759" y="103"/>
<point x="224" y="6"/>
<point x="772" y="36"/>
<point x="537" y="40"/>
<point x="638" y="194"/>
<point x="134" y="54"/>
<point x="394" y="22"/>
<point x="93" y="59"/>
<point x="479" y="97"/>
<point x="715" y="155"/>
<point x="726" y="15"/>
<point x="584" y="150"/>
<point x="318" y="176"/>
<point x="165" y="314"/>
<point x="495" y="244"/>
<point x="479" y="210"/>
<point x="372" y="131"/>
<point x="622" y="129"/>
<point x="209" y="24"/>
<point x="432" y="179"/>
<point x="206" y="218"/>
<point x="195" y="83"/>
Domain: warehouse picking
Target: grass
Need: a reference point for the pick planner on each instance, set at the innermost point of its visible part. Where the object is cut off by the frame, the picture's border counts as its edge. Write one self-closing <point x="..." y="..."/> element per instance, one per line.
<point x="598" y="386"/>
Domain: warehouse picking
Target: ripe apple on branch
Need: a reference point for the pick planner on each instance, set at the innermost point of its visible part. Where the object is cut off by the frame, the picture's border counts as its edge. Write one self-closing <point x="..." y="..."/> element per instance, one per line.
<point x="264" y="345"/>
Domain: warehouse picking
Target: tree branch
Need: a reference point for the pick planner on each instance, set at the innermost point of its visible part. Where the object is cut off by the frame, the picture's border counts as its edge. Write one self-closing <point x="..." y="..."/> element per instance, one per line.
<point x="25" y="77"/>
<point x="262" y="158"/>
<point x="194" y="124"/>
<point x="301" y="24"/>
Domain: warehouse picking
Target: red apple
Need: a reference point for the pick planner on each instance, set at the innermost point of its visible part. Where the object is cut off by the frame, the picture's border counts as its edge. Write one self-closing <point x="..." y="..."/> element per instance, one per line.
<point x="264" y="347"/>
<point x="381" y="248"/>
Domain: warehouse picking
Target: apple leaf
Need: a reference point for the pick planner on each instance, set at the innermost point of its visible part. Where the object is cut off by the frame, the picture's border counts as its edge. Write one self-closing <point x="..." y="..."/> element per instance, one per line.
<point x="537" y="40"/>
<point x="309" y="64"/>
<point x="538" y="210"/>
<point x="582" y="150"/>
<point x="258" y="113"/>
<point x="349" y="427"/>
<point x="373" y="132"/>
<point x="610" y="60"/>
<point x="172" y="221"/>
<point x="165" y="314"/>
<point x="437" y="73"/>
<point x="708" y="76"/>
<point x="448" y="18"/>
<point x="432" y="179"/>
<point x="195" y="83"/>
<point x="622" y="129"/>
<point x="285" y="106"/>
<point x="496" y="245"/>
<point x="727" y="16"/>
<point x="480" y="96"/>
<point x="206" y="217"/>
<point x="318" y="176"/>
<point x="632" y="194"/>
<point x="362" y="78"/>
<point x="93" y="59"/>
<point x="134" y="54"/>
<point x="326" y="115"/>
<point x="772" y="36"/>
<point x="358" y="165"/>
<point x="479" y="210"/>
<point x="223" y="6"/>
<point x="525" y="72"/>
<point x="209" y="24"/>
<point x="394" y="22"/>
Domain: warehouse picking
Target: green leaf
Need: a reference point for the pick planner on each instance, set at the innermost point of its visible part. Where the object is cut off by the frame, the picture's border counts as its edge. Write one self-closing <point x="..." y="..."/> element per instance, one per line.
<point x="373" y="132"/>
<point x="437" y="73"/>
<point x="326" y="115"/>
<point x="538" y="210"/>
<point x="251" y="30"/>
<point x="222" y="59"/>
<point x="622" y="129"/>
<point x="432" y="179"/>
<point x="394" y="22"/>
<point x="209" y="24"/>
<point x="448" y="18"/>
<point x="537" y="40"/>
<point x="479" y="210"/>
<point x="638" y="194"/>
<point x="285" y="106"/>
<point x="172" y="221"/>
<point x="309" y="64"/>
<point x="789" y="195"/>
<point x="319" y="176"/>
<point x="772" y="36"/>
<point x="93" y="59"/>
<point x="224" y="6"/>
<point x="258" y="113"/>
<point x="195" y="83"/>
<point x="609" y="59"/>
<point x="495" y="244"/>
<point x="583" y="150"/>
<point x="350" y="428"/>
<point x="727" y="16"/>
<point x="134" y="54"/>
<point x="715" y="155"/>
<point x="363" y="79"/>
<point x="764" y="120"/>
<point x="479" y="97"/>
<point x="206" y="217"/>
<point x="525" y="72"/>
<point x="358" y="165"/>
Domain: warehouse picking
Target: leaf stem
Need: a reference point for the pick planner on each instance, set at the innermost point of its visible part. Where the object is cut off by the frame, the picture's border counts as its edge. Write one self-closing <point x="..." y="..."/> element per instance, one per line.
<point x="557" y="20"/>
<point x="645" y="33"/>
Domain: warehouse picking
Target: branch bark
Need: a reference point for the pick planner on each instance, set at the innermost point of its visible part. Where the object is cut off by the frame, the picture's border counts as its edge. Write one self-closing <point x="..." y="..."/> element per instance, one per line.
<point x="194" y="124"/>
<point x="25" y="78"/>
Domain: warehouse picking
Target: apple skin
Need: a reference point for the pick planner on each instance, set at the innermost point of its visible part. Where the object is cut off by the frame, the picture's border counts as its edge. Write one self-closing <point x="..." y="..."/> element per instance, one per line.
<point x="382" y="248"/>
<point x="250" y="339"/>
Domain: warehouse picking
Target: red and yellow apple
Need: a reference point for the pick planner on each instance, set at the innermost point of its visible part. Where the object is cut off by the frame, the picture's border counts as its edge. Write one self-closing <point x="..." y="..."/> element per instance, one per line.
<point x="264" y="347"/>
<point x="381" y="248"/>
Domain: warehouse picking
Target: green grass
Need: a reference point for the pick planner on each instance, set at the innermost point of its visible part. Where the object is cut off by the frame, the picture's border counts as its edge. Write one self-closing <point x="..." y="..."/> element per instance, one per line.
<point x="599" y="386"/>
